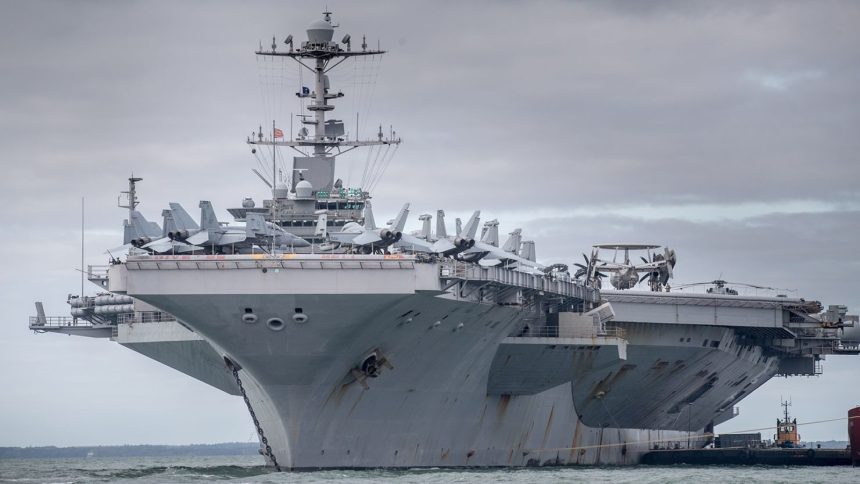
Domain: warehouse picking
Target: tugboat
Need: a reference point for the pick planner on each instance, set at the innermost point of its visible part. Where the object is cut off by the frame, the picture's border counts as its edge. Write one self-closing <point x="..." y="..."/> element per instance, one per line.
<point x="786" y="430"/>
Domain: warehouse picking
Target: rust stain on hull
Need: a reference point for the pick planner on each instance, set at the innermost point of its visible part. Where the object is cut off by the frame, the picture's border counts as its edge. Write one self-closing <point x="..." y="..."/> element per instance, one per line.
<point x="548" y="426"/>
<point x="504" y="401"/>
<point x="355" y="404"/>
<point x="574" y="454"/>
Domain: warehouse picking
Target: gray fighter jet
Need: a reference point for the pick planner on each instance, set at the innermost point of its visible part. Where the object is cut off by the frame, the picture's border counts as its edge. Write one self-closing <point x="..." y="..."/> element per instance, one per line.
<point x="368" y="238"/>
<point x="183" y="234"/>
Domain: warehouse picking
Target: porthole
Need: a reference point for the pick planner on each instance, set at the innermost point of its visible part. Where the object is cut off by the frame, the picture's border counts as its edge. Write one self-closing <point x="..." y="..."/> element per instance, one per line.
<point x="300" y="318"/>
<point x="249" y="318"/>
<point x="275" y="324"/>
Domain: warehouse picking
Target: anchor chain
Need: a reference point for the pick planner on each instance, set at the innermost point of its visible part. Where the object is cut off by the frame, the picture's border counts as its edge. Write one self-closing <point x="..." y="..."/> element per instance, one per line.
<point x="263" y="440"/>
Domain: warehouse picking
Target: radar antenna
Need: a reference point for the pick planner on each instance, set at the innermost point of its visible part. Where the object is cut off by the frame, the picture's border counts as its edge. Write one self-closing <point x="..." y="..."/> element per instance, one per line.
<point x="131" y="196"/>
<point x="319" y="55"/>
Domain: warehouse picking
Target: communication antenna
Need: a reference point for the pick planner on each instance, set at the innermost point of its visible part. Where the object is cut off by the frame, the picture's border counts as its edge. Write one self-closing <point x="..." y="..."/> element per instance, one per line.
<point x="82" y="244"/>
<point x="274" y="162"/>
<point x="131" y="195"/>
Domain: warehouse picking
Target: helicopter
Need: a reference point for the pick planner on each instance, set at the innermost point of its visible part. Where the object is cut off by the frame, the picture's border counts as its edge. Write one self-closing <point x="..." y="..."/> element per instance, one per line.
<point x="720" y="286"/>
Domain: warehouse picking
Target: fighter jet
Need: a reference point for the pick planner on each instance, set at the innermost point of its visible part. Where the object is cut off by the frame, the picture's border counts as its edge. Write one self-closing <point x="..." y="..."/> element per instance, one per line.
<point x="138" y="231"/>
<point x="485" y="251"/>
<point x="464" y="240"/>
<point x="255" y="231"/>
<point x="368" y="237"/>
<point x="183" y="234"/>
<point x="178" y="225"/>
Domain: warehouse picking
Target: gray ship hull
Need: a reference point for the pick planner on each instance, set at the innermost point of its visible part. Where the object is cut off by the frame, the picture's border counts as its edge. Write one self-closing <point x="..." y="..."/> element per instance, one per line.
<point x="452" y="396"/>
<point x="431" y="409"/>
<point x="475" y="367"/>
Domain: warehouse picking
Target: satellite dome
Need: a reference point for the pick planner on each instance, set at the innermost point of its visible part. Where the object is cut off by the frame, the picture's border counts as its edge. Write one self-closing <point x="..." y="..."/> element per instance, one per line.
<point x="248" y="202"/>
<point x="281" y="191"/>
<point x="320" y="32"/>
<point x="304" y="189"/>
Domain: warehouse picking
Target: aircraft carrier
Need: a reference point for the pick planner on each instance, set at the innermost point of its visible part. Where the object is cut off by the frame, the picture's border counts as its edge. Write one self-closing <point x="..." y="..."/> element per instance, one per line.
<point x="358" y="345"/>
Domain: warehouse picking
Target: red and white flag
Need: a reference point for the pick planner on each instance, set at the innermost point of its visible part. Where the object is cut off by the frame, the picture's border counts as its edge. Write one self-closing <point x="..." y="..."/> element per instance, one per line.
<point x="279" y="133"/>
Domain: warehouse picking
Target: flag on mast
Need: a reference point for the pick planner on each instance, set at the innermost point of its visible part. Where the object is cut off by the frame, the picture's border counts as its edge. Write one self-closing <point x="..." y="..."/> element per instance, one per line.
<point x="279" y="133"/>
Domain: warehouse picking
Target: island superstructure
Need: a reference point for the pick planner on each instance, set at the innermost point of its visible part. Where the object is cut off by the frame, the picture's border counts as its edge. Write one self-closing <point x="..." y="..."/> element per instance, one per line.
<point x="356" y="345"/>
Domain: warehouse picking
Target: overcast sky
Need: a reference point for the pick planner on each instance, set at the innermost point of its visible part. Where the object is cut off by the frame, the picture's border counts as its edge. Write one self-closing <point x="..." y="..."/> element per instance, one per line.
<point x="726" y="130"/>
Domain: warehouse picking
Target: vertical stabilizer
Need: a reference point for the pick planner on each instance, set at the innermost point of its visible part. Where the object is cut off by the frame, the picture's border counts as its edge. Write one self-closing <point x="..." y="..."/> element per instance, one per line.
<point x="425" y="226"/>
<point x="512" y="245"/>
<point x="369" y="223"/>
<point x="255" y="225"/>
<point x="490" y="233"/>
<point x="470" y="230"/>
<point x="208" y="220"/>
<point x="138" y="227"/>
<point x="441" y="232"/>
<point x="169" y="222"/>
<point x="322" y="219"/>
<point x="127" y="232"/>
<point x="400" y="221"/>
<point x="528" y="250"/>
<point x="181" y="218"/>
<point x="40" y="314"/>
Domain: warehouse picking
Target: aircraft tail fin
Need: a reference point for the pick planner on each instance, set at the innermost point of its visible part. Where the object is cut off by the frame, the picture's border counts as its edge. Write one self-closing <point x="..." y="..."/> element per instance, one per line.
<point x="181" y="217"/>
<point x="512" y="245"/>
<point x="128" y="233"/>
<point x="169" y="222"/>
<point x="490" y="233"/>
<point x="369" y="222"/>
<point x="138" y="227"/>
<point x="425" y="228"/>
<point x="322" y="224"/>
<point x="255" y="225"/>
<point x="471" y="228"/>
<point x="528" y="251"/>
<point x="441" y="232"/>
<point x="400" y="221"/>
<point x="40" y="313"/>
<point x="208" y="220"/>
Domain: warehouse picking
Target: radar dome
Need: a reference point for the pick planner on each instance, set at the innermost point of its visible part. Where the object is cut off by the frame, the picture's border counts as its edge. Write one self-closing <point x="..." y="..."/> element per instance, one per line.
<point x="281" y="191"/>
<point x="304" y="189"/>
<point x="248" y="202"/>
<point x="320" y="32"/>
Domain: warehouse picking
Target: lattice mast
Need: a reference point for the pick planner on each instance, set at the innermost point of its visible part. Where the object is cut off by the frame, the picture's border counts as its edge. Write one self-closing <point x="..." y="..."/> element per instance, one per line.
<point x="319" y="54"/>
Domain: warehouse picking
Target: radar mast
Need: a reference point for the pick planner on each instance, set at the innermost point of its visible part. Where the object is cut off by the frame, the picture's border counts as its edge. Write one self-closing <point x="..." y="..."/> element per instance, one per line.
<point x="319" y="55"/>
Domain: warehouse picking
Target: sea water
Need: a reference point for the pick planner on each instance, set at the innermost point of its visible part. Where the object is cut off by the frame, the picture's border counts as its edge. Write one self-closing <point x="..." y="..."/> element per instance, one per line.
<point x="251" y="469"/>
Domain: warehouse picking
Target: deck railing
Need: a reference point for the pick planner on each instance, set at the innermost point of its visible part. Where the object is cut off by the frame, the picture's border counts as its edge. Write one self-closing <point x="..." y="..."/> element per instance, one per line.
<point x="468" y="271"/>
<point x="577" y="332"/>
<point x="57" y="322"/>
<point x="145" y="317"/>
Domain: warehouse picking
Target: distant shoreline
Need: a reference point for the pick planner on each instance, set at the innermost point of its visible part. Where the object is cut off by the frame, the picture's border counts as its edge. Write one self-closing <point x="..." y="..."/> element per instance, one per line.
<point x="95" y="451"/>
